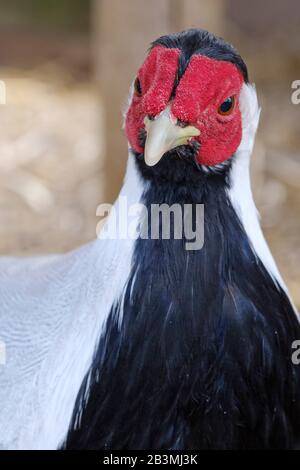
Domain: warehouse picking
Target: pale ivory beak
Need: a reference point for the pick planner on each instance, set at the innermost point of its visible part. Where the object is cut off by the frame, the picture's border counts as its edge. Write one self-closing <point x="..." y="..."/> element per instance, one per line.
<point x="163" y="134"/>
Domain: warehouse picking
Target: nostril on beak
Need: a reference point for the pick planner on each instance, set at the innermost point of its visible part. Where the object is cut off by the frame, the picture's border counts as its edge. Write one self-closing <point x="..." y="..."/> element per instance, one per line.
<point x="150" y="117"/>
<point x="181" y="123"/>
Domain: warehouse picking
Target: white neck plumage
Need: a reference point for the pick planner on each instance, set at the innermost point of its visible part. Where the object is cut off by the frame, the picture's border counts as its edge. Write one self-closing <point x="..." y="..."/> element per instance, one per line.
<point x="240" y="192"/>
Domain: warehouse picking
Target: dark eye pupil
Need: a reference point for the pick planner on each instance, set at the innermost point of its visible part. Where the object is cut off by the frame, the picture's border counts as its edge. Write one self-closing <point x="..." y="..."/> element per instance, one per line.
<point x="137" y="87"/>
<point x="226" y="105"/>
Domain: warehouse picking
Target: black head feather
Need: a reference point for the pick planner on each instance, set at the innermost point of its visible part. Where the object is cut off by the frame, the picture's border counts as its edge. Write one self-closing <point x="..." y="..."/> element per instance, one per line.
<point x="201" y="42"/>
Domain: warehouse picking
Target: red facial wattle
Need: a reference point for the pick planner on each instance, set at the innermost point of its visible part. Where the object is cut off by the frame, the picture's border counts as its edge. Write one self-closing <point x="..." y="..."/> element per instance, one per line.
<point x="205" y="84"/>
<point x="157" y="76"/>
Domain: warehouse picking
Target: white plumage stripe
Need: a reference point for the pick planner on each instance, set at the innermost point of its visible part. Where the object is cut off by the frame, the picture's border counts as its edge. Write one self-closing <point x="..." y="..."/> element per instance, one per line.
<point x="240" y="192"/>
<point x="52" y="313"/>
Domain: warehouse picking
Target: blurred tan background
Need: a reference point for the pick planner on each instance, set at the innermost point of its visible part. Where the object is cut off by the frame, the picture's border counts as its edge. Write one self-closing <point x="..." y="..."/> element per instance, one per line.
<point x="67" y="66"/>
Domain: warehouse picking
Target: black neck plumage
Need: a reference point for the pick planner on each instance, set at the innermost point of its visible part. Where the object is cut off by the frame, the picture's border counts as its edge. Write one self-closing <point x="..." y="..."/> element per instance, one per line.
<point x="202" y="356"/>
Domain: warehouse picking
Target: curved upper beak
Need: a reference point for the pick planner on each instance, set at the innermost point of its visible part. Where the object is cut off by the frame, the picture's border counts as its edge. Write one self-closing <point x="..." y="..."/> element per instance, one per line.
<point x="163" y="134"/>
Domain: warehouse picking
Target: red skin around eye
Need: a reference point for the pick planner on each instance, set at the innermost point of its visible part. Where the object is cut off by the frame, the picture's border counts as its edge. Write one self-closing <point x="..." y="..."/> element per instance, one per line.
<point x="204" y="86"/>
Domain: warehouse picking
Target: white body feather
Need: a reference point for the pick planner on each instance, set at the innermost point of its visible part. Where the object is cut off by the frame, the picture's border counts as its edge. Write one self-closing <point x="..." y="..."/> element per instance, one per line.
<point x="52" y="311"/>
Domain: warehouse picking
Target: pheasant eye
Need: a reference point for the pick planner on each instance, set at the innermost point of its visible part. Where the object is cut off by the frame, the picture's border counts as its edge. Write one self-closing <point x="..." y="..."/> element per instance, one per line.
<point x="137" y="87"/>
<point x="227" y="106"/>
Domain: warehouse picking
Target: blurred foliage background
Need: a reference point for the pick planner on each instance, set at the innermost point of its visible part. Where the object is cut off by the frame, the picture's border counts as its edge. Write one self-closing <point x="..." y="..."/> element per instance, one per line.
<point x="67" y="66"/>
<point x="46" y="15"/>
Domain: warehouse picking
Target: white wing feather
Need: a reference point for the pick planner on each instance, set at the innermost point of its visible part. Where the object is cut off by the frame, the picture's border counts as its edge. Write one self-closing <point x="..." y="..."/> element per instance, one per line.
<point x="52" y="311"/>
